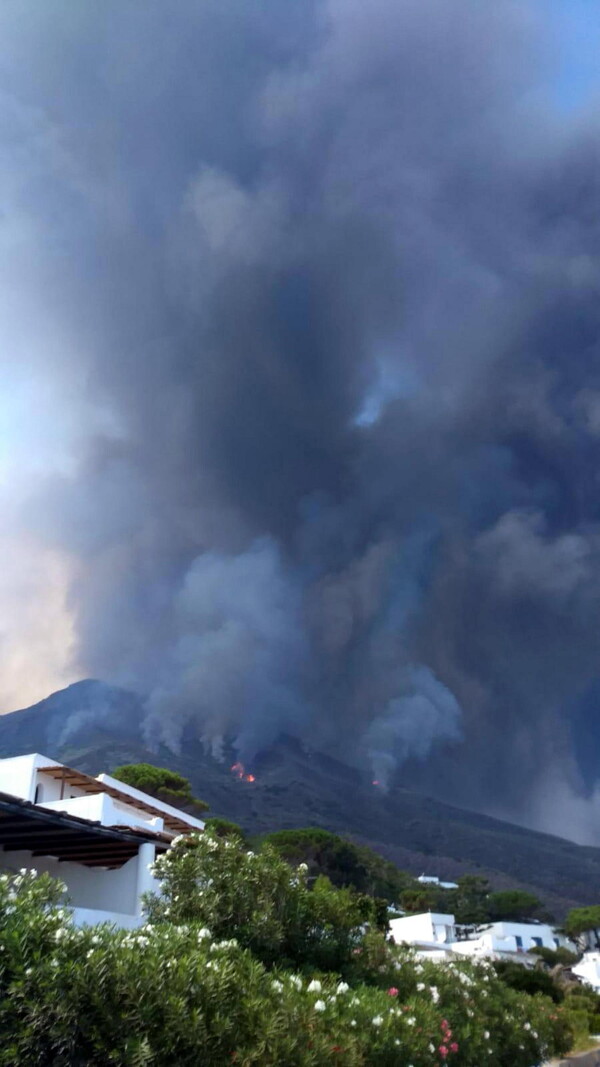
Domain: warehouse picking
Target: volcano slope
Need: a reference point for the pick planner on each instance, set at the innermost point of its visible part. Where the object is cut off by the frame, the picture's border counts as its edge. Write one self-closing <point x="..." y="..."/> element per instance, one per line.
<point x="95" y="728"/>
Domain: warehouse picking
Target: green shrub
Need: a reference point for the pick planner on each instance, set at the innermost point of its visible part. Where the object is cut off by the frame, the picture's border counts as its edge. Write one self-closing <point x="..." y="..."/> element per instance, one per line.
<point x="224" y="827"/>
<point x="554" y="956"/>
<point x="169" y="994"/>
<point x="529" y="981"/>
<point x="257" y="898"/>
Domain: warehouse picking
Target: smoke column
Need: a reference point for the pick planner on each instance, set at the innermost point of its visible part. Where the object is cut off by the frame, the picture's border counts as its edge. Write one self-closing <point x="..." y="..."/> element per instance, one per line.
<point x="300" y="384"/>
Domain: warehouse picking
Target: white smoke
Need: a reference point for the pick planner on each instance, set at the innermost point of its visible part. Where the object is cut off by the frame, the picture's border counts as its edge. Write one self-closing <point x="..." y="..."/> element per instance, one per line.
<point x="426" y="714"/>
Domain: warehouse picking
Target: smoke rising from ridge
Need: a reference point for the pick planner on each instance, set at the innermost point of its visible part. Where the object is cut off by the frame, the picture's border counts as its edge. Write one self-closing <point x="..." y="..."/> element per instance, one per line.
<point x="307" y="299"/>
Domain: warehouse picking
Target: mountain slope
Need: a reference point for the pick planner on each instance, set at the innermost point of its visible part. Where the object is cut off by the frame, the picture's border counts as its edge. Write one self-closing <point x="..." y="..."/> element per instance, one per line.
<point x="95" y="727"/>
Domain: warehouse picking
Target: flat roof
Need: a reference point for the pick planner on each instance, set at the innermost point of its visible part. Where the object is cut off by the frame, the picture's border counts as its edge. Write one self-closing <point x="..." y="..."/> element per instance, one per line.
<point x="28" y="827"/>
<point x="88" y="784"/>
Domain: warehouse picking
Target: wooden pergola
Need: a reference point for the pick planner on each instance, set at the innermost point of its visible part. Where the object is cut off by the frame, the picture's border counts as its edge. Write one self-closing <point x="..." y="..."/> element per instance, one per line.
<point x="67" y="776"/>
<point x="27" y="827"/>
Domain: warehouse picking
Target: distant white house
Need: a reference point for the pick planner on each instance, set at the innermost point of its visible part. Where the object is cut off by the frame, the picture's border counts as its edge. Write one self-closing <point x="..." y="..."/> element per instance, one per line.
<point x="588" y="969"/>
<point x="98" y="835"/>
<point x="433" y="932"/>
<point x="499" y="938"/>
<point x="430" y="879"/>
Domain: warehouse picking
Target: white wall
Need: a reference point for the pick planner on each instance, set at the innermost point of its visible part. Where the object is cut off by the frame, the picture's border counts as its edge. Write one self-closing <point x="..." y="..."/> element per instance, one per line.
<point x="527" y="932"/>
<point x="117" y="891"/>
<point x="588" y="969"/>
<point x="100" y="807"/>
<point x="16" y="776"/>
<point x="136" y="794"/>
<point x="426" y="926"/>
<point x="90" y="917"/>
<point x="487" y="945"/>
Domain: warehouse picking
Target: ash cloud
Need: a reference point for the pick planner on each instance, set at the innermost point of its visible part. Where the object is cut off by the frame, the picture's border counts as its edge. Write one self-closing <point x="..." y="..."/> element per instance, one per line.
<point x="310" y="295"/>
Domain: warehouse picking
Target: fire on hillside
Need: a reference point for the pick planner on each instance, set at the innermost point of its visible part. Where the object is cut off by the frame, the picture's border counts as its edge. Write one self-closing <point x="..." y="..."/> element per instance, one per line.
<point x="240" y="772"/>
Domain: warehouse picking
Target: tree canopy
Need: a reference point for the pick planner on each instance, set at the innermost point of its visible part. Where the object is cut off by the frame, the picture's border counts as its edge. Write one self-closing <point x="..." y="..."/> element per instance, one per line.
<point x="160" y="782"/>
<point x="513" y="904"/>
<point x="343" y="862"/>
<point x="580" y="920"/>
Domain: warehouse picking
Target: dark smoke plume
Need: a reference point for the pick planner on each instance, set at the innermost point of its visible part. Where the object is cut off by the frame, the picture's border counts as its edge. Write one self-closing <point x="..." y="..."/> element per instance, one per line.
<point x="304" y="300"/>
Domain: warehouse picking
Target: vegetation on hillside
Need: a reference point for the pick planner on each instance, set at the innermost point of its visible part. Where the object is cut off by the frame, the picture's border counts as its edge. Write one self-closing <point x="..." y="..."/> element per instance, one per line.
<point x="356" y="866"/>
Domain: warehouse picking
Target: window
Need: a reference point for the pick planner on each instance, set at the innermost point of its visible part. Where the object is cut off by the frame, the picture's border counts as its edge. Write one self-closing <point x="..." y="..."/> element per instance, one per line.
<point x="556" y="942"/>
<point x="519" y="941"/>
<point x="537" y="941"/>
<point x="39" y="794"/>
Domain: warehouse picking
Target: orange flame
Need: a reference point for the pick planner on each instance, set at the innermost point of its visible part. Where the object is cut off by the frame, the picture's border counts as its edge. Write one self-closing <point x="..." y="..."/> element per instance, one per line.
<point x="240" y="772"/>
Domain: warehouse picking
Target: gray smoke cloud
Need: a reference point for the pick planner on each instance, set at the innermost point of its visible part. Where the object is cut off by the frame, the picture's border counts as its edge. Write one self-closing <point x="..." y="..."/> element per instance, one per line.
<point x="300" y="309"/>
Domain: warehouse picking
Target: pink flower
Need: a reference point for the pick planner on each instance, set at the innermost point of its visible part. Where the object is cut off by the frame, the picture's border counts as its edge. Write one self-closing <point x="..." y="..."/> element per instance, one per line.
<point x="454" y="1047"/>
<point x="443" y="1051"/>
<point x="392" y="991"/>
<point x="444" y="1024"/>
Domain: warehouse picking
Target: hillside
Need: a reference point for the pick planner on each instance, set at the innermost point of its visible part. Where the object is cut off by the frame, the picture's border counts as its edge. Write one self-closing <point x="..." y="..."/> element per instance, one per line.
<point x="95" y="727"/>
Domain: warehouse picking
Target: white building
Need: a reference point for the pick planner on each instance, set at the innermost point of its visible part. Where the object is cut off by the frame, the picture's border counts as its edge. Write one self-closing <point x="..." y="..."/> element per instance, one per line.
<point x="588" y="969"/>
<point x="430" y="879"/>
<point x="430" y="932"/>
<point x="511" y="937"/>
<point x="98" y="835"/>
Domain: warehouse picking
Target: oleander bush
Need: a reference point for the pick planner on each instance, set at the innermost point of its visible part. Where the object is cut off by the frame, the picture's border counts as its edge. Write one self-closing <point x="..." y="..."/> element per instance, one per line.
<point x="182" y="992"/>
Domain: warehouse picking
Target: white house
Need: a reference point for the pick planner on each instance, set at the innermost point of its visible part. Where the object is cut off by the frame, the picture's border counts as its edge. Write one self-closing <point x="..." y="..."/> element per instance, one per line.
<point x="512" y="937"/>
<point x="98" y="835"/>
<point x="430" y="931"/>
<point x="431" y="879"/>
<point x="588" y="969"/>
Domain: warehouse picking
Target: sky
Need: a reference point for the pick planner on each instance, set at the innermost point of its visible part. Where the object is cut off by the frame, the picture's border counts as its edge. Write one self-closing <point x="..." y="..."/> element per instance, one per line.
<point x="300" y="383"/>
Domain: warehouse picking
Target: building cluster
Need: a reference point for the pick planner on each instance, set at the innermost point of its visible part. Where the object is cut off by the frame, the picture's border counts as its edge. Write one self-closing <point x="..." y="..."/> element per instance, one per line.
<point x="435" y="935"/>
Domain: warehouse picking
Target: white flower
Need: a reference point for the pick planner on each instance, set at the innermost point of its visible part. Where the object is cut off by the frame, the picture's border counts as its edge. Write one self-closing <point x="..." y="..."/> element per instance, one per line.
<point x="296" y="982"/>
<point x="527" y="1026"/>
<point x="420" y="986"/>
<point x="352" y="1022"/>
<point x="486" y="1035"/>
<point x="432" y="1048"/>
<point x="377" y="1021"/>
<point x="343" y="987"/>
<point x="435" y="996"/>
<point x="319" y="1005"/>
<point x="315" y="986"/>
<point x="277" y="986"/>
<point x="411" y="1021"/>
